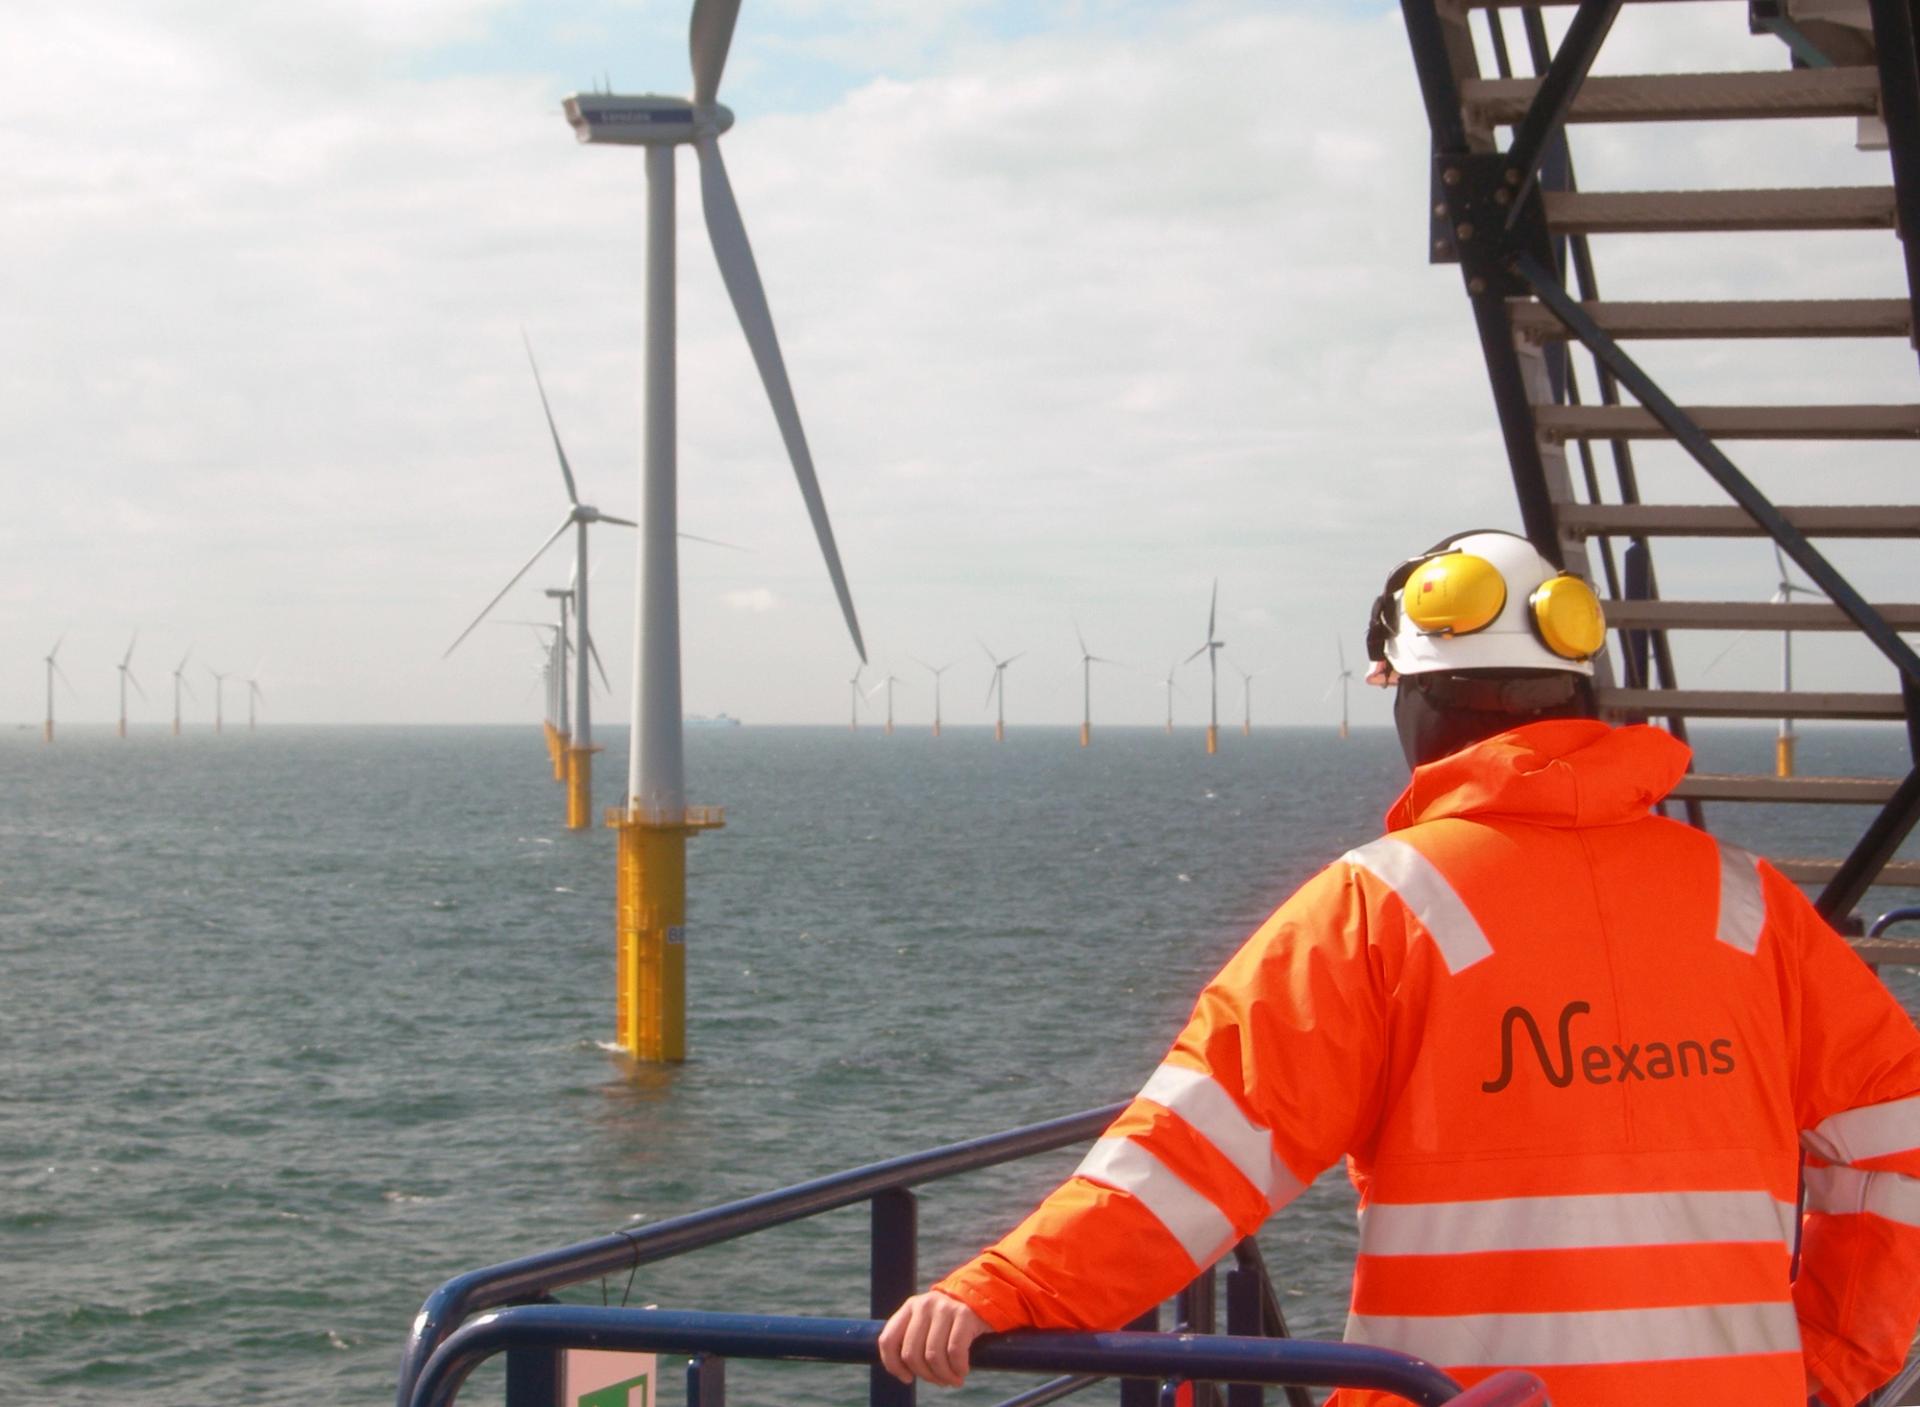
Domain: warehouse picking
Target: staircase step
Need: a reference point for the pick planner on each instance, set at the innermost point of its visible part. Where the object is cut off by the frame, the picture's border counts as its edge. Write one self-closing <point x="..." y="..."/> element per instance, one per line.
<point x="1664" y="212"/>
<point x="1790" y="317"/>
<point x="1734" y="422"/>
<point x="1743" y="703"/>
<point x="1731" y="520"/>
<point x="1896" y="874"/>
<point x="1749" y="615"/>
<point x="1720" y="786"/>
<point x="1682" y="97"/>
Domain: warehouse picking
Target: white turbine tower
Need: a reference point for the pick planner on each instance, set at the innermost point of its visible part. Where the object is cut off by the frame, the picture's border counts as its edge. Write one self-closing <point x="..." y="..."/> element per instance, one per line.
<point x="255" y="695"/>
<point x="1168" y="681"/>
<point x="576" y="763"/>
<point x="125" y="667"/>
<point x="886" y="684"/>
<point x="853" y="702"/>
<point x="1783" y="594"/>
<point x="657" y="820"/>
<point x="997" y="690"/>
<point x="179" y="683"/>
<point x="1212" y="651"/>
<point x="53" y="668"/>
<point x="1341" y="679"/>
<point x="936" y="673"/>
<point x="1087" y="661"/>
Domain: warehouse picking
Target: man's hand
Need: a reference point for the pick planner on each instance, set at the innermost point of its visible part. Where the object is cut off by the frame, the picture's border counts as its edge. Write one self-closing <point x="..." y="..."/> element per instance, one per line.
<point x="930" y="1337"/>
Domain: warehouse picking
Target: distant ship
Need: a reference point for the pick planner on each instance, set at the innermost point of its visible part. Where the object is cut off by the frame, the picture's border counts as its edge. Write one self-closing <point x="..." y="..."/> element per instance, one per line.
<point x="718" y="720"/>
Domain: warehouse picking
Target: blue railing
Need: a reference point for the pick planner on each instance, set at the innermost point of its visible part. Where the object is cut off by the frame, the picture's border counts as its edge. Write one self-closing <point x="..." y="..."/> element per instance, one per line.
<point x="713" y="1338"/>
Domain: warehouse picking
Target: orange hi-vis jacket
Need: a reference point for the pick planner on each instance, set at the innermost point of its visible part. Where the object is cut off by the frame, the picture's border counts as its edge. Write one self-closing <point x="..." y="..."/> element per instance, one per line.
<point x="1573" y="1052"/>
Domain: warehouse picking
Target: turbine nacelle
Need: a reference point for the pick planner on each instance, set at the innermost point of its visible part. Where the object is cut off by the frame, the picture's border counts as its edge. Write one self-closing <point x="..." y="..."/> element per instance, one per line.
<point x="645" y="121"/>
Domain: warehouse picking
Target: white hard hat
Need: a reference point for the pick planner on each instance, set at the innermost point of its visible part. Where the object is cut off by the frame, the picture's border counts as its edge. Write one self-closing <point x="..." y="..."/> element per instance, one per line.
<point x="1485" y="600"/>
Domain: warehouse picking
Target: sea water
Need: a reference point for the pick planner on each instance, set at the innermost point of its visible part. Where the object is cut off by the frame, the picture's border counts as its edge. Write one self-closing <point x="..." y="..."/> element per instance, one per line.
<point x="294" y="1025"/>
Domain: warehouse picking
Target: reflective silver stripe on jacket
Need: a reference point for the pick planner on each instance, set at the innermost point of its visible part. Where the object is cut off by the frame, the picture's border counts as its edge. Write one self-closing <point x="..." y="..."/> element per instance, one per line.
<point x="1206" y="1107"/>
<point x="1743" y="908"/>
<point x="1850" y="1191"/>
<point x="1201" y="1229"/>
<point x="1570" y="1223"/>
<point x="1425" y="891"/>
<point x="1871" y="1131"/>
<point x="1585" y="1336"/>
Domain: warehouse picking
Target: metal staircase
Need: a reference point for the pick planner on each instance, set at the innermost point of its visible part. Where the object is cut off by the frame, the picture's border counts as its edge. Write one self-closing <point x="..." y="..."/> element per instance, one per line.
<point x="1516" y="221"/>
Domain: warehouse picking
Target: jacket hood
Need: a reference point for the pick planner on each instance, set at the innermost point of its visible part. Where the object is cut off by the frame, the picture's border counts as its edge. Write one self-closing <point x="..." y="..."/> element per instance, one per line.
<point x="1563" y="772"/>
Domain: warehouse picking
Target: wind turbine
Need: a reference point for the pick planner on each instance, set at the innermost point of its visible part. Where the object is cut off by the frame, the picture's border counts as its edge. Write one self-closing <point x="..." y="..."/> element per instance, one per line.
<point x="254" y="695"/>
<point x="53" y="668"/>
<point x="886" y="684"/>
<point x="577" y="749"/>
<point x="1170" y="689"/>
<point x="179" y="683"/>
<point x="560" y="739"/>
<point x="998" y="690"/>
<point x="657" y="820"/>
<point x="853" y="691"/>
<point x="126" y="674"/>
<point x="1212" y="651"/>
<point x="219" y="697"/>
<point x="1783" y="595"/>
<point x="1246" y="684"/>
<point x="1087" y="661"/>
<point x="1341" y="679"/>
<point x="936" y="673"/>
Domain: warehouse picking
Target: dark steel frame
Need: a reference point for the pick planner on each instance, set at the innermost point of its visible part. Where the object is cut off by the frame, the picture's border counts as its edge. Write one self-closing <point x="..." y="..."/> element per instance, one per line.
<point x="1081" y="1358"/>
<point x="1489" y="213"/>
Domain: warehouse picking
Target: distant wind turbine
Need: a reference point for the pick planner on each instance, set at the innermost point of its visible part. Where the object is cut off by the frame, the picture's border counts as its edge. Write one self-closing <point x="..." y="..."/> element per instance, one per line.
<point x="936" y="673"/>
<point x="579" y="747"/>
<point x="653" y="831"/>
<point x="886" y="684"/>
<point x="219" y="697"/>
<point x="125" y="668"/>
<point x="997" y="690"/>
<point x="853" y="690"/>
<point x="1087" y="661"/>
<point x="254" y="695"/>
<point x="1212" y="651"/>
<point x="53" y="668"/>
<point x="1783" y="594"/>
<point x="179" y="683"/>
<point x="1246" y="684"/>
<point x="1342" y="679"/>
<point x="1170" y="690"/>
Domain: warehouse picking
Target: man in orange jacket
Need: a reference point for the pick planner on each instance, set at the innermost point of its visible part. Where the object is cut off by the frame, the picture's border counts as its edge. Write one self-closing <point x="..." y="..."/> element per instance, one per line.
<point x="1573" y="1052"/>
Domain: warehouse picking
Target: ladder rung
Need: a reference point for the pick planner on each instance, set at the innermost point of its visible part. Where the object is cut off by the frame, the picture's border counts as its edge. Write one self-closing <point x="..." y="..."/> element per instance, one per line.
<point x="1719" y="786"/>
<point x="1900" y="874"/>
<point x="1793" y="317"/>
<point x="1734" y="422"/>
<point x="1662" y="212"/>
<point x="1682" y="97"/>
<point x="1731" y="520"/>
<point x="1742" y="703"/>
<point x="1749" y="615"/>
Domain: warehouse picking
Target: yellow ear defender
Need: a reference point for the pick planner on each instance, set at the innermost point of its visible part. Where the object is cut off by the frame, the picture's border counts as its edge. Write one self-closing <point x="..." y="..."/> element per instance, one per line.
<point x="1567" y="617"/>
<point x="1455" y="593"/>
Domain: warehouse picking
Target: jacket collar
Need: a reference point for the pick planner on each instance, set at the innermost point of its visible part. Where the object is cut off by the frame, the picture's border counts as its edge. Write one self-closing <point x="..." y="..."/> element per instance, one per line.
<point x="1563" y="772"/>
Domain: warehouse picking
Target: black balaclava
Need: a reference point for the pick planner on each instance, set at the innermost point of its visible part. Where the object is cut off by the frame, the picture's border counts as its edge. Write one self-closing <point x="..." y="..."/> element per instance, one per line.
<point x="1438" y="714"/>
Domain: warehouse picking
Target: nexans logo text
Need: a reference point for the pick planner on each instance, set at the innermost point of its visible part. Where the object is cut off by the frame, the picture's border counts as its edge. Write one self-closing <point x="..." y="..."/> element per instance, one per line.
<point x="1606" y="1064"/>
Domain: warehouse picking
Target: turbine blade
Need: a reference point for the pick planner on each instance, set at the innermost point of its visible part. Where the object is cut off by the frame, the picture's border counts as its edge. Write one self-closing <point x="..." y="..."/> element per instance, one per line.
<point x="1341" y="647"/>
<point x="708" y="38"/>
<point x="1084" y="654"/>
<point x="709" y="541"/>
<point x="992" y="658"/>
<point x="566" y="470"/>
<point x="623" y="522"/>
<point x="735" y="257"/>
<point x="992" y="684"/>
<point x="71" y="691"/>
<point x="1010" y="659"/>
<point x="55" y="651"/>
<point x="594" y="651"/>
<point x="1195" y="655"/>
<point x="1213" y="607"/>
<point x="131" y="679"/>
<point x="183" y="660"/>
<point x="511" y="583"/>
<point x="127" y="658"/>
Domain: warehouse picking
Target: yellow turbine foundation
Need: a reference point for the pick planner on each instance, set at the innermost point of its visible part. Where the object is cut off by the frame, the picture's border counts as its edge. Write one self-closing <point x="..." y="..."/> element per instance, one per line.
<point x="650" y="967"/>
<point x="552" y="735"/>
<point x="1783" y="755"/>
<point x="936" y="729"/>
<point x="1086" y="734"/>
<point x="579" y="762"/>
<point x="1343" y="727"/>
<point x="560" y="741"/>
<point x="47" y="732"/>
<point x="999" y="732"/>
<point x="1213" y="739"/>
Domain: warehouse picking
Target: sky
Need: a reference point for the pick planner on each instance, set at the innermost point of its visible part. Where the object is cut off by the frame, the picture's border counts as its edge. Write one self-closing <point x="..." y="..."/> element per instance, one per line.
<point x="1087" y="306"/>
